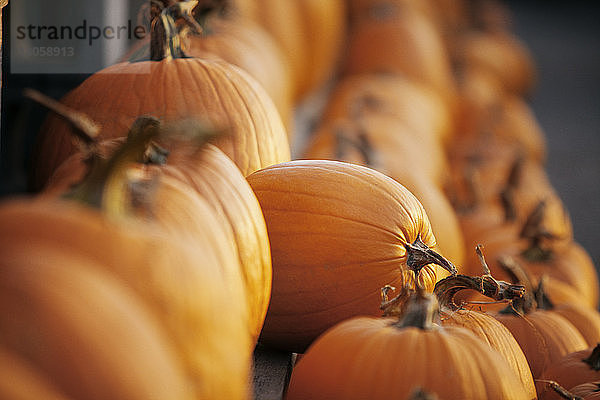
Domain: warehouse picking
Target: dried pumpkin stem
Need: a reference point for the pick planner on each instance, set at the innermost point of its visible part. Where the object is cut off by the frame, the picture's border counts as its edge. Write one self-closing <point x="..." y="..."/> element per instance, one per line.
<point x="105" y="185"/>
<point x="421" y="311"/>
<point x="561" y="391"/>
<point x="594" y="359"/>
<point x="166" y="35"/>
<point x="446" y="289"/>
<point x="418" y="255"/>
<point x="85" y="128"/>
<point x="519" y="275"/>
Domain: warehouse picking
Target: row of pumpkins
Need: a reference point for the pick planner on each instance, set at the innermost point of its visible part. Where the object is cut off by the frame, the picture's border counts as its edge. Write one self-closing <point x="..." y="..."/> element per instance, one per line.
<point x="170" y="232"/>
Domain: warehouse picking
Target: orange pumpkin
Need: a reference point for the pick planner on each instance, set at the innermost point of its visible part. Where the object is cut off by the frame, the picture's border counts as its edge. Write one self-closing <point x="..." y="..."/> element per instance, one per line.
<point x="544" y="336"/>
<point x="483" y="325"/>
<point x="339" y="232"/>
<point x="573" y="369"/>
<point x="245" y="44"/>
<point x="171" y="88"/>
<point x="395" y="37"/>
<point x="385" y="148"/>
<point x="196" y="182"/>
<point x="85" y="332"/>
<point x="375" y="358"/>
<point x="409" y="100"/>
<point x="310" y="33"/>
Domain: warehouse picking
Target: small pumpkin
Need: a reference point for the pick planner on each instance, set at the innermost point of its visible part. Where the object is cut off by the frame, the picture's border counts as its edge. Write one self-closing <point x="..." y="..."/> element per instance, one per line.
<point x="483" y="325"/>
<point x="573" y="369"/>
<point x="374" y="358"/>
<point x="544" y="336"/>
<point x="338" y="233"/>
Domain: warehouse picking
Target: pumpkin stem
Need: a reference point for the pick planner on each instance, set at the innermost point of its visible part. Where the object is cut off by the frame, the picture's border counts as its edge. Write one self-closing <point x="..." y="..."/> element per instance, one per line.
<point x="395" y="306"/>
<point x="422" y="394"/>
<point x="507" y="195"/>
<point x="561" y="391"/>
<point x="358" y="140"/>
<point x="541" y="297"/>
<point x="418" y="255"/>
<point x="421" y="310"/>
<point x="518" y="274"/>
<point x="540" y="239"/>
<point x="166" y="35"/>
<point x="104" y="185"/>
<point x="594" y="359"/>
<point x="85" y="128"/>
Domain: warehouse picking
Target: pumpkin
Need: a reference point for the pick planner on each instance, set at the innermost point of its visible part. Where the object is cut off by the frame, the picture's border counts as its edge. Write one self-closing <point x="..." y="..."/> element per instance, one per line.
<point x="310" y="33"/>
<point x="392" y="94"/>
<point x="503" y="54"/>
<point x="394" y="37"/>
<point x="197" y="174"/>
<point x="338" y="233"/>
<point x="378" y="148"/>
<point x="375" y="358"/>
<point x="86" y="333"/>
<point x="171" y="88"/>
<point x="573" y="369"/>
<point x="181" y="281"/>
<point x="588" y="390"/>
<point x="245" y="44"/>
<point x="544" y="336"/>
<point x="483" y="325"/>
<point x="585" y="319"/>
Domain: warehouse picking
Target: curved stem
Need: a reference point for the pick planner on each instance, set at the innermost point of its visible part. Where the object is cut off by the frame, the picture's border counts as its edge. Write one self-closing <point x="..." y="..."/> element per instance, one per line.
<point x="519" y="275"/>
<point x="85" y="128"/>
<point x="105" y="185"/>
<point x="418" y="255"/>
<point x="446" y="289"/>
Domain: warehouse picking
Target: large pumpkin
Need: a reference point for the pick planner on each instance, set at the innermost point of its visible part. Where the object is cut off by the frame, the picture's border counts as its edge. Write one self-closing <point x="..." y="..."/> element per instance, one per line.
<point x="196" y="180"/>
<point x="183" y="287"/>
<point x="83" y="332"/>
<point x="171" y="88"/>
<point x="385" y="146"/>
<point x="338" y="233"/>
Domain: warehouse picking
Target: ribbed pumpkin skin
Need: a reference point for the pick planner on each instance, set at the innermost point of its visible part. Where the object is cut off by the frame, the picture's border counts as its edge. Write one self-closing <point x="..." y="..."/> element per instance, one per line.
<point x="172" y="90"/>
<point x="366" y="358"/>
<point x="544" y="337"/>
<point x="184" y="287"/>
<point x="589" y="390"/>
<point x="217" y="180"/>
<point x="498" y="337"/>
<point x="86" y="332"/>
<point x="338" y="233"/>
<point x="248" y="46"/>
<point x="385" y="150"/>
<point x="569" y="371"/>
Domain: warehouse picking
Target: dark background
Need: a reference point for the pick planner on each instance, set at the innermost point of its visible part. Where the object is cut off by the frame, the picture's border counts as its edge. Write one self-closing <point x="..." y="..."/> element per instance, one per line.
<point x="564" y="38"/>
